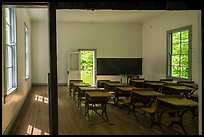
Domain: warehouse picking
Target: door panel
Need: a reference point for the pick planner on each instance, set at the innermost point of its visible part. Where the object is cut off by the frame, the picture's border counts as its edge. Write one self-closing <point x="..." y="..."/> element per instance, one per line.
<point x="73" y="68"/>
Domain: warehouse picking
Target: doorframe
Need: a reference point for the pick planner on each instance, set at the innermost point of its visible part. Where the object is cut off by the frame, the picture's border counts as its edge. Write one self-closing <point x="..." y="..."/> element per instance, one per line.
<point x="94" y="63"/>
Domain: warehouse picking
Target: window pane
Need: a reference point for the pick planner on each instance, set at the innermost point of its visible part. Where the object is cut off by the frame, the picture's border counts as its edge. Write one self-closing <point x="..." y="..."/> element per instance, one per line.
<point x="12" y="35"/>
<point x="27" y="66"/>
<point x="184" y="72"/>
<point x="176" y="48"/>
<point x="184" y="36"/>
<point x="175" y="71"/>
<point x="11" y="69"/>
<point x="26" y="43"/>
<point x="9" y="78"/>
<point x="184" y="60"/>
<point x="8" y="35"/>
<point x="26" y="52"/>
<point x="175" y="60"/>
<point x="184" y="48"/>
<point x="7" y="15"/>
<point x="9" y="56"/>
<point x="176" y="37"/>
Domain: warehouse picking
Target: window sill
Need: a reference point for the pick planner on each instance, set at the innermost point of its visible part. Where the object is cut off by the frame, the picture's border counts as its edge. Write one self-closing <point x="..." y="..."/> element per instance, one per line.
<point x="176" y="78"/>
<point x="10" y="95"/>
<point x="11" y="90"/>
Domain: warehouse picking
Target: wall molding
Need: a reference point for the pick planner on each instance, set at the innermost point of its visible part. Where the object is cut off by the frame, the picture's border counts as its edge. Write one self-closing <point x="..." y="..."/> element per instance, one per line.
<point x="46" y="84"/>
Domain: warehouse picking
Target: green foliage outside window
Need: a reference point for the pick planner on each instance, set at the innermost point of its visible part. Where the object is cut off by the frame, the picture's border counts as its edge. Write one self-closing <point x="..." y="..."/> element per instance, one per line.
<point x="179" y="54"/>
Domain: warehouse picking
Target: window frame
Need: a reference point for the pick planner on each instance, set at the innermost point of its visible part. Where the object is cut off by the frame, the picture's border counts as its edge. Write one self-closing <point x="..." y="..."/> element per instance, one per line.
<point x="12" y="43"/>
<point x="169" y="52"/>
<point x="26" y="30"/>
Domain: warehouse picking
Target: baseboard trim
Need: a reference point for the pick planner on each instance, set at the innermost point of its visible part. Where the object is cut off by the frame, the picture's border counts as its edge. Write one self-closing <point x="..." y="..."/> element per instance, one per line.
<point x="62" y="84"/>
<point x="39" y="84"/>
<point x="46" y="84"/>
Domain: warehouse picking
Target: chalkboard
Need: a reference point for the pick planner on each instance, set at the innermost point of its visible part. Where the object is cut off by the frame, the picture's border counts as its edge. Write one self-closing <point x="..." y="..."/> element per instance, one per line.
<point x="119" y="66"/>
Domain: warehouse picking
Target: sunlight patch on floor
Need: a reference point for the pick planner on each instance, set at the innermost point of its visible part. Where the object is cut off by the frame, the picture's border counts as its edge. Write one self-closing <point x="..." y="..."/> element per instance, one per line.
<point x="31" y="130"/>
<point x="41" y="99"/>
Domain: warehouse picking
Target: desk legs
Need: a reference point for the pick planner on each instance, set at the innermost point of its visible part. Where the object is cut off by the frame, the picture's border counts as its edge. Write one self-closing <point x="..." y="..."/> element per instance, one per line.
<point x="132" y="109"/>
<point x="70" y="90"/>
<point x="180" y="121"/>
<point x="95" y="109"/>
<point x="79" y="99"/>
<point x="75" y="90"/>
<point x="194" y="112"/>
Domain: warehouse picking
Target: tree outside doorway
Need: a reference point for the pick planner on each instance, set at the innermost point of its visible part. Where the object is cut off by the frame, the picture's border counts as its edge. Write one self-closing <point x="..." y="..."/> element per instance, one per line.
<point x="86" y="62"/>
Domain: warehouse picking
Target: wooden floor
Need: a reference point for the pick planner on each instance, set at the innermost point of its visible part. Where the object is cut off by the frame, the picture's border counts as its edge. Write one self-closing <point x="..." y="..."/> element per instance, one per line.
<point x="34" y="119"/>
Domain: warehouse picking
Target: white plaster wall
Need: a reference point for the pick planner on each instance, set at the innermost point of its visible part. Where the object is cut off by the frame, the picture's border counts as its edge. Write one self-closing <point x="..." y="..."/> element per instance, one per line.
<point x="40" y="52"/>
<point x="11" y="108"/>
<point x="109" y="39"/>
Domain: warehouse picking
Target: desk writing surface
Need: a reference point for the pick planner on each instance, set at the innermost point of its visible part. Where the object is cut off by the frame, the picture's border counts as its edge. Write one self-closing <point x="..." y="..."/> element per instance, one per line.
<point x="137" y="80"/>
<point x="148" y="93"/>
<point x="155" y="83"/>
<point x="179" y="102"/>
<point x="81" y="84"/>
<point x="116" y="84"/>
<point x="125" y="88"/>
<point x="90" y="88"/>
<point x="188" y="84"/>
<point x="76" y="82"/>
<point x="170" y="82"/>
<point x="99" y="94"/>
<point x="180" y="87"/>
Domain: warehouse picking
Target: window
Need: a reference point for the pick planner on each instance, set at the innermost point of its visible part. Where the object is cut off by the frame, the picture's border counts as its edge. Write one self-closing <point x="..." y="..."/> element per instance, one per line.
<point x="26" y="52"/>
<point x="10" y="56"/>
<point x="179" y="53"/>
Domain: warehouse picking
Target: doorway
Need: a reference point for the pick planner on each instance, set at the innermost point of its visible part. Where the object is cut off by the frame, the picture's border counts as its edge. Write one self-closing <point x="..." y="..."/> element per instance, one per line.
<point x="88" y="65"/>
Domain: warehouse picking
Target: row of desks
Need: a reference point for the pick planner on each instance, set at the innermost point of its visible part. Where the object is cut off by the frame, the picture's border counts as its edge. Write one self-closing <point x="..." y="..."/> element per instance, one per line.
<point x="119" y="89"/>
<point x="166" y="87"/>
<point x="181" y="105"/>
<point x="170" y="87"/>
<point x="95" y="95"/>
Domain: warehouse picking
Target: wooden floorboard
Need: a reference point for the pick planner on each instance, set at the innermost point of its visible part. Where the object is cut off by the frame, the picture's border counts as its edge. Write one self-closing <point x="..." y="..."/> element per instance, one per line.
<point x="34" y="119"/>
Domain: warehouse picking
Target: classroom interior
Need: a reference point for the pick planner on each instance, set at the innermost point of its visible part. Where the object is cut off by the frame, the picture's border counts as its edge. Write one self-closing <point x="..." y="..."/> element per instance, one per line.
<point x="111" y="34"/>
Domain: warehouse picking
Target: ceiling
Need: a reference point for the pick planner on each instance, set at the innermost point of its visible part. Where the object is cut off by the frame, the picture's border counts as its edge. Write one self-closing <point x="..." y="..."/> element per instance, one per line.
<point x="121" y="16"/>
